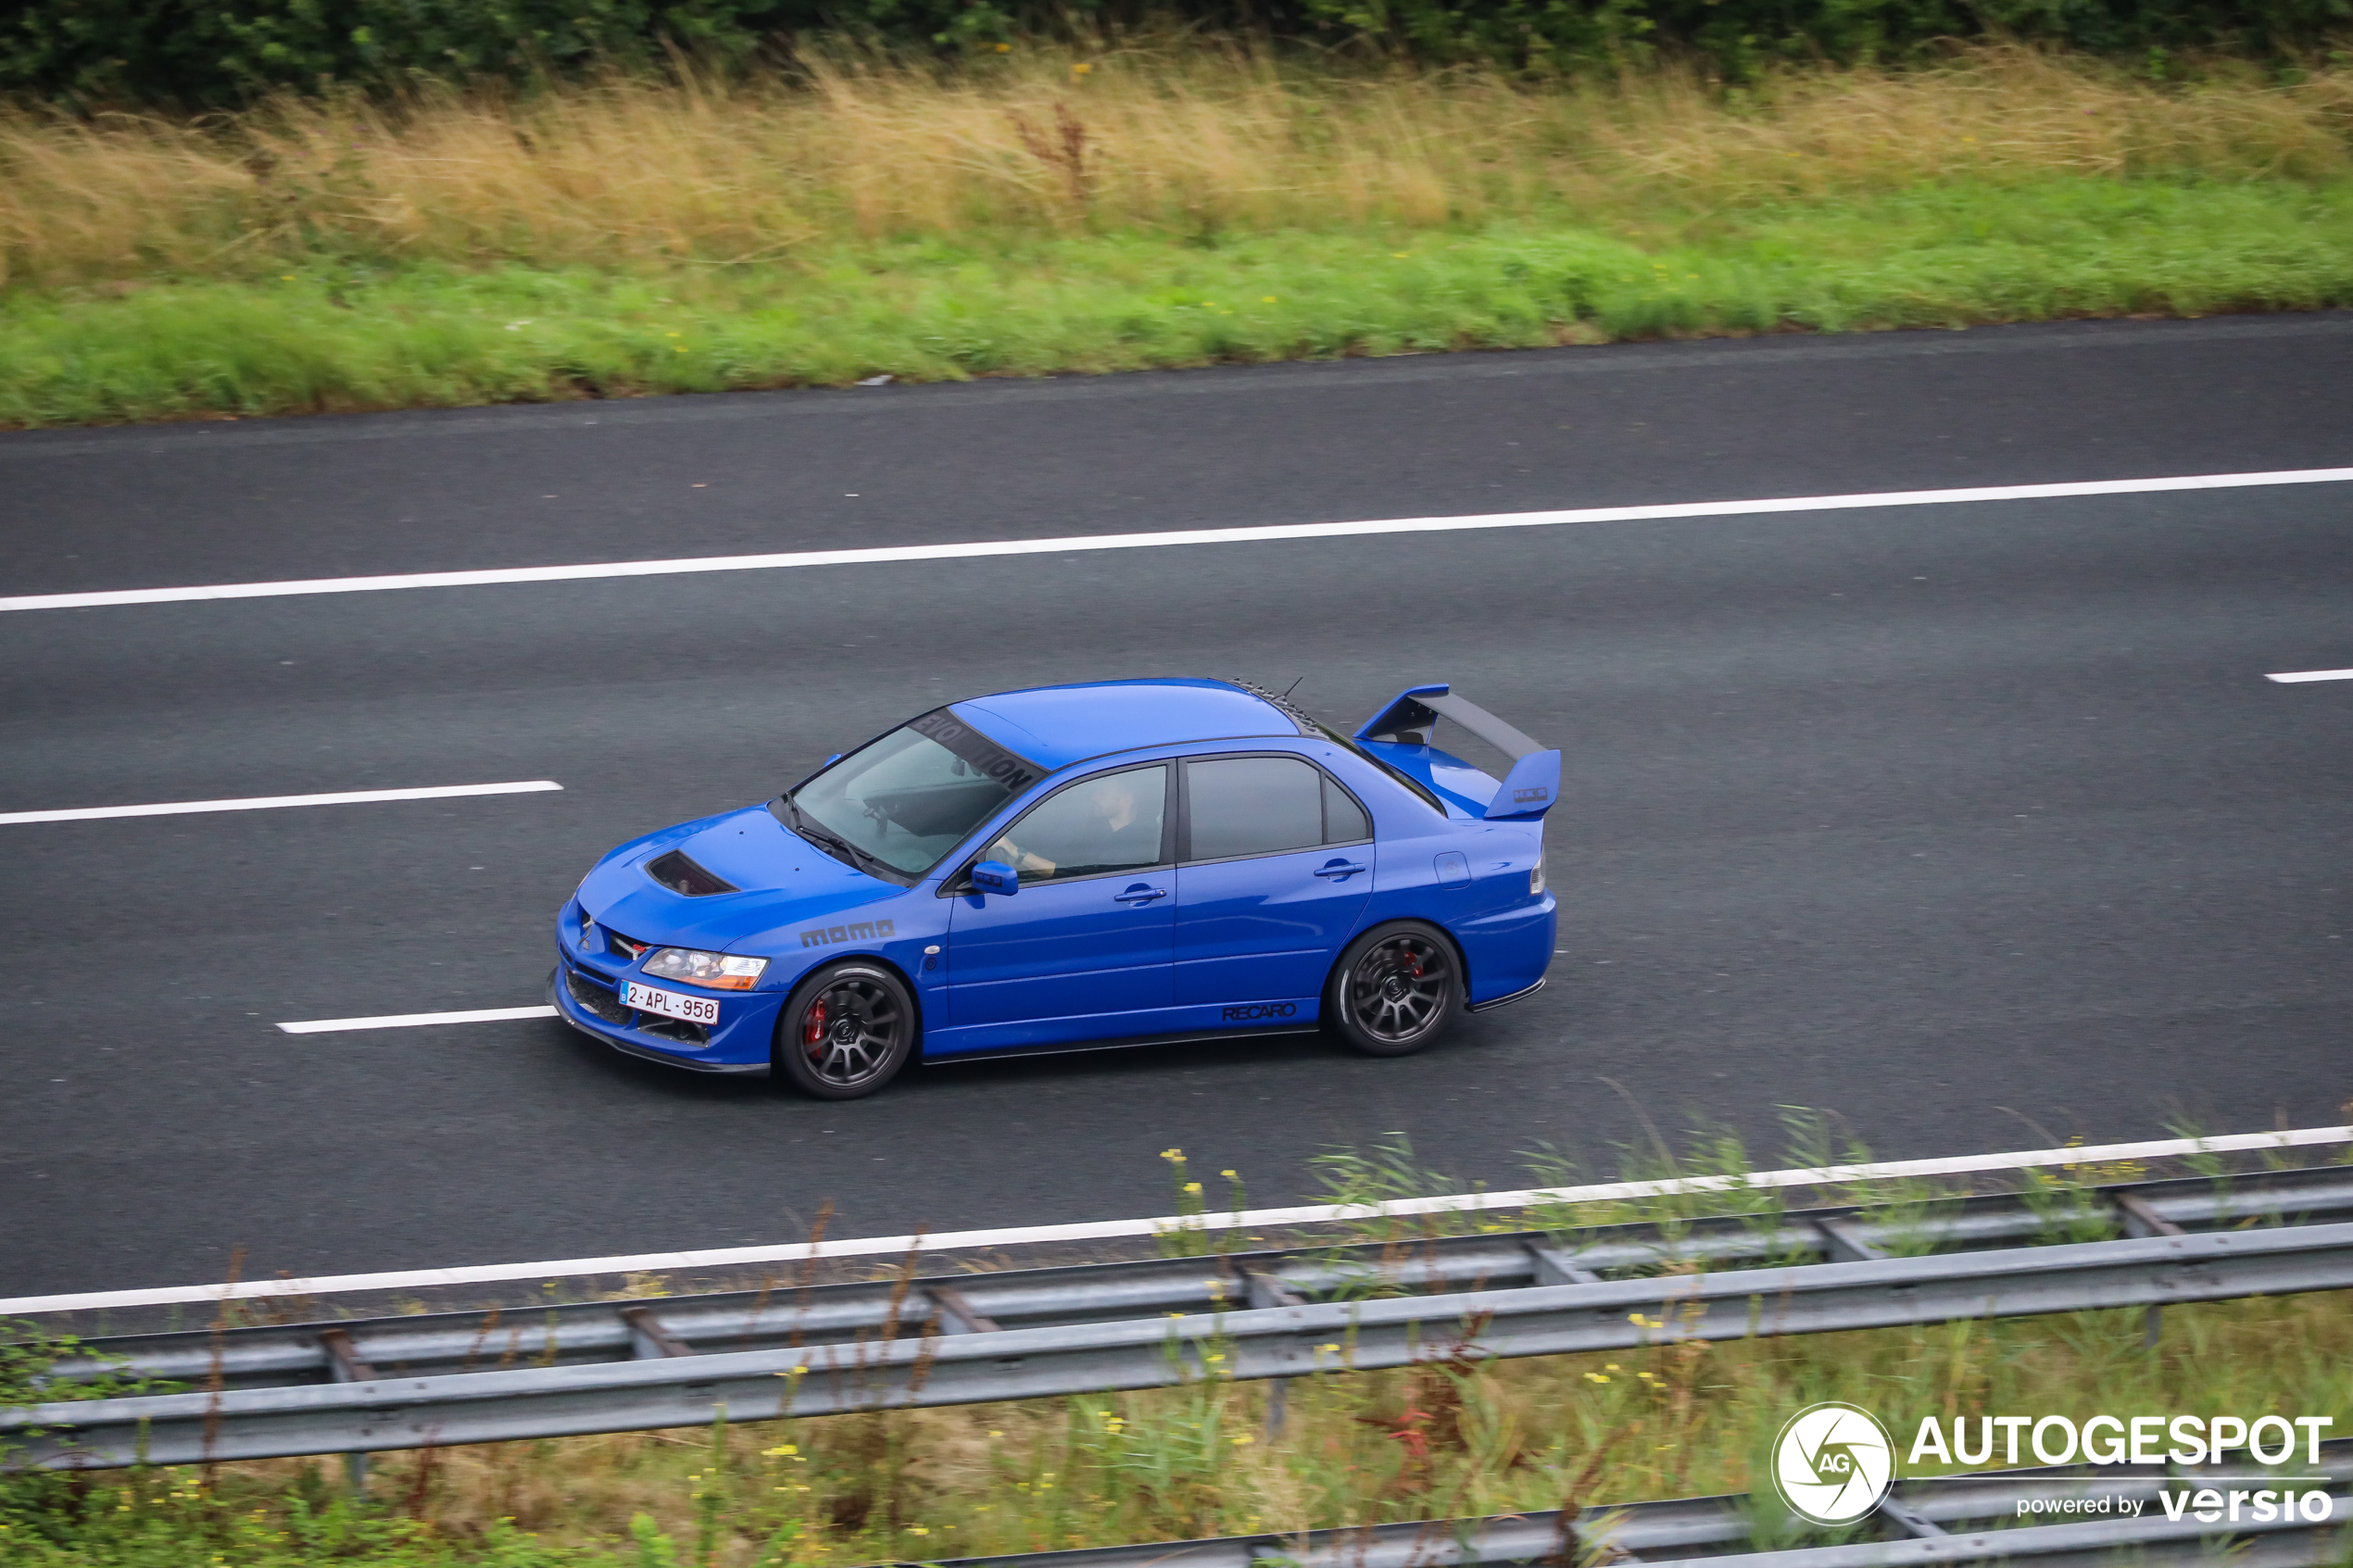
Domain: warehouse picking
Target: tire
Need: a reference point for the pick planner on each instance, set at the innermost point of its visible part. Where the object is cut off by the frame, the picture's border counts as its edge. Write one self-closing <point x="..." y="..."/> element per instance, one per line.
<point x="863" y="1022"/>
<point x="1395" y="990"/>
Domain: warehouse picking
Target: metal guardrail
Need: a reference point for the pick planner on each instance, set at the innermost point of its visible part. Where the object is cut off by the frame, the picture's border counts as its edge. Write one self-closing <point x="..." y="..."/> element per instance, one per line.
<point x="1935" y="1520"/>
<point x="788" y="1316"/>
<point x="980" y="1338"/>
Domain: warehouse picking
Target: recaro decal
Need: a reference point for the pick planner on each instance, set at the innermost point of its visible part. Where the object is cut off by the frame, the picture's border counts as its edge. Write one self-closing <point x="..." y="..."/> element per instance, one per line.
<point x="1249" y="1010"/>
<point x="860" y="931"/>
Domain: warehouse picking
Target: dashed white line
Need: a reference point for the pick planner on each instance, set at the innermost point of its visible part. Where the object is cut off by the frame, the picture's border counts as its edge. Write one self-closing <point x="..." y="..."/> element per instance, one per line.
<point x="272" y="802"/>
<point x="944" y="1241"/>
<point x="1260" y="535"/>
<point x="2292" y="677"/>
<point x="415" y="1019"/>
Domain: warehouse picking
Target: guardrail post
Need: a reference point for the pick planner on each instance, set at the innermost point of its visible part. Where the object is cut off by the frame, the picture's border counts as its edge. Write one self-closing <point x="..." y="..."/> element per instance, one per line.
<point x="1269" y="1290"/>
<point x="2140" y="1220"/>
<point x="1556" y="1267"/>
<point x="1846" y="1243"/>
<point x="649" y="1340"/>
<point x="345" y="1365"/>
<point x="1901" y="1514"/>
<point x="957" y="1315"/>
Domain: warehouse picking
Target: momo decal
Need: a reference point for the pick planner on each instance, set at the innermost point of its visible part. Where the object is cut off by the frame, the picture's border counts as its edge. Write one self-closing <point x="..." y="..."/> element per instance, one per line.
<point x="1250" y="1011"/>
<point x="860" y="931"/>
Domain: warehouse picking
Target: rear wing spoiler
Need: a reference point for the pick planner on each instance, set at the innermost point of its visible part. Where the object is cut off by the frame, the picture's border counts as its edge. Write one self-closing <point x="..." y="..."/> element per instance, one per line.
<point x="1534" y="781"/>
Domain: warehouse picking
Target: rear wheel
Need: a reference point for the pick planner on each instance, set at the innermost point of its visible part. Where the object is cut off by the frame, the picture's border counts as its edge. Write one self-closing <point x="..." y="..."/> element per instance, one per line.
<point x="1396" y="989"/>
<point x="845" y="1032"/>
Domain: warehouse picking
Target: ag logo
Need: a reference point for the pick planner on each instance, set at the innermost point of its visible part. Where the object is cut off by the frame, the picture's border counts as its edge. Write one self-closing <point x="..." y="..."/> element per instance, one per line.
<point x="1832" y="1464"/>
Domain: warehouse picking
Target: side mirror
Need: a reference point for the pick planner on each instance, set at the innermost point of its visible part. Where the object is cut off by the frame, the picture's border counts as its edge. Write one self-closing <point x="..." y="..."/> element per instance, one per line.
<point x="834" y="758"/>
<point x="995" y="876"/>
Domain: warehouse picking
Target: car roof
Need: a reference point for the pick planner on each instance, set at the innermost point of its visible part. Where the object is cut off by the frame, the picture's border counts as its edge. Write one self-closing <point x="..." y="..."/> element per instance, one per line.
<point x="1055" y="727"/>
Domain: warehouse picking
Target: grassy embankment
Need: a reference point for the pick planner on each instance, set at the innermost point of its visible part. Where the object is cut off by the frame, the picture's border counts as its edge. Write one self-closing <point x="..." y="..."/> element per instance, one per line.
<point x="1446" y="1438"/>
<point x="1040" y="212"/>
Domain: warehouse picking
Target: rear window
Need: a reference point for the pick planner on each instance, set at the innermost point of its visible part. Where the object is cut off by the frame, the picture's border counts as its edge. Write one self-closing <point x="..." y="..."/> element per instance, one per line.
<point x="1421" y="791"/>
<point x="1239" y="806"/>
<point x="1253" y="806"/>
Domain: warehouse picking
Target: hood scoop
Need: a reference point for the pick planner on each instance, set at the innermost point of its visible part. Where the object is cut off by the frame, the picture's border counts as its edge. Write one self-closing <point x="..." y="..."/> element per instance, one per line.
<point x="682" y="876"/>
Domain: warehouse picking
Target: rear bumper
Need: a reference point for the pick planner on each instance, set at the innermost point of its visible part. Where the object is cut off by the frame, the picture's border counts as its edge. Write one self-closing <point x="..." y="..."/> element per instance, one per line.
<point x="1493" y="1002"/>
<point x="1508" y="950"/>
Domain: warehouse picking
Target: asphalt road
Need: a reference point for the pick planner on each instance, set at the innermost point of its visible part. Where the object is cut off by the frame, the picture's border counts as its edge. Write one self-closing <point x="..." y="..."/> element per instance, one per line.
<point x="1976" y="826"/>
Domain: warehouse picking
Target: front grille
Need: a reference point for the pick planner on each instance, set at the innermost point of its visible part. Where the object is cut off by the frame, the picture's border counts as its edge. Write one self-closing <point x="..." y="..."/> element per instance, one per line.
<point x="628" y="950"/>
<point x="681" y="875"/>
<point x="601" y="1003"/>
<point x="596" y="1000"/>
<point x="676" y="1029"/>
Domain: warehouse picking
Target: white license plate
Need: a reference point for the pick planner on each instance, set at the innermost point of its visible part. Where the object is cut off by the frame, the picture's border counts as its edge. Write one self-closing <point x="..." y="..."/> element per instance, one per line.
<point x="670" y="1004"/>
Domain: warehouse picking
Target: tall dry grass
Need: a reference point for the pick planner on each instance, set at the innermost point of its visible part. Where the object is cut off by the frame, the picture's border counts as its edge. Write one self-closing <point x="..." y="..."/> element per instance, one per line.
<point x="1186" y="142"/>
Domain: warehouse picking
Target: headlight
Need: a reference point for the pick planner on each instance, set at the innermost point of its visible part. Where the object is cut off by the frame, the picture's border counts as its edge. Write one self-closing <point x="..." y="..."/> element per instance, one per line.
<point x="719" y="972"/>
<point x="1536" y="875"/>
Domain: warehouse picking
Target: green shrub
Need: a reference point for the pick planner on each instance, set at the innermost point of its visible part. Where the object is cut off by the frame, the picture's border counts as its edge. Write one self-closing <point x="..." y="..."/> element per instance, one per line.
<point x="220" y="51"/>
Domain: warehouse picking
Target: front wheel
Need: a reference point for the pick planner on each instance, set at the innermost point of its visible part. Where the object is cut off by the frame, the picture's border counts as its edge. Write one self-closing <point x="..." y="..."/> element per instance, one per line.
<point x="845" y="1032"/>
<point x="1396" y="989"/>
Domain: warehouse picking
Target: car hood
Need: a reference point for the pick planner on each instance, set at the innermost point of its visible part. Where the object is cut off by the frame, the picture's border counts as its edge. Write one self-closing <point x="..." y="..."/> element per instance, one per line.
<point x="781" y="877"/>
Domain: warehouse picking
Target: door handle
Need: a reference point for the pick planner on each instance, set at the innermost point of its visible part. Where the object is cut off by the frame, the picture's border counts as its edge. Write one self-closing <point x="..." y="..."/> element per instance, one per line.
<point x="1140" y="894"/>
<point x="1338" y="869"/>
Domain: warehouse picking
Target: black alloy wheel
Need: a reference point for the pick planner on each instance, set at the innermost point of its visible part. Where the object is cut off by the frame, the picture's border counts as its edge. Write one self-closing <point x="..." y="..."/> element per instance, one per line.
<point x="1396" y="989"/>
<point x="845" y="1031"/>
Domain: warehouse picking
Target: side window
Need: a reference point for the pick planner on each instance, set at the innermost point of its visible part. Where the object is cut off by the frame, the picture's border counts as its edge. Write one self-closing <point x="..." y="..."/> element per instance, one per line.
<point x="1253" y="806"/>
<point x="1344" y="820"/>
<point x="1111" y="822"/>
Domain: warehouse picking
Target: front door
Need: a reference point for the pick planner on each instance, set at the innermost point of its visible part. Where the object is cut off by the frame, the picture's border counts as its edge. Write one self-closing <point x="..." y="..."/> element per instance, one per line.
<point x="1279" y="863"/>
<point x="1081" y="951"/>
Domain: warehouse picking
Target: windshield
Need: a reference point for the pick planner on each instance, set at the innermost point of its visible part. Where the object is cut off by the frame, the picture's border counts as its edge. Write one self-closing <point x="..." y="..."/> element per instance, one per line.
<point x="910" y="798"/>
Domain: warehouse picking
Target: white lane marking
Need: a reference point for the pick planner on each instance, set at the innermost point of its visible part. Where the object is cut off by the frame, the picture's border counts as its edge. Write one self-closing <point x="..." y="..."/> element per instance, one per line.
<point x="415" y="1019"/>
<point x="2293" y="676"/>
<point x="269" y="802"/>
<point x="945" y="1241"/>
<point x="1186" y="537"/>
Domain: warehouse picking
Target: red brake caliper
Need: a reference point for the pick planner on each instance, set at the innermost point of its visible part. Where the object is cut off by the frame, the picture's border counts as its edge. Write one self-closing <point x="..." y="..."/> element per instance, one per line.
<point x="813" y="1031"/>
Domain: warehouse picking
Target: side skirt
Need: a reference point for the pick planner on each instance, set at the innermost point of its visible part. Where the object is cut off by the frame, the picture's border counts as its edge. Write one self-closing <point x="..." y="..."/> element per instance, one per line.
<point x="1065" y="1048"/>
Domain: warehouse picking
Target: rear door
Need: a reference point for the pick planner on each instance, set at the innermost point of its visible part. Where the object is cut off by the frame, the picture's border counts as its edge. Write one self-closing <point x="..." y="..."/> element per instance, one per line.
<point x="1081" y="951"/>
<point x="1276" y="865"/>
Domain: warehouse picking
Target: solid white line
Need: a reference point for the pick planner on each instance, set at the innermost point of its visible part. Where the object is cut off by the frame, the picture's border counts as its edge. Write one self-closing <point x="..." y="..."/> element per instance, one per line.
<point x="415" y="1019"/>
<point x="2292" y="678"/>
<point x="267" y="802"/>
<point x="1186" y="537"/>
<point x="899" y="1245"/>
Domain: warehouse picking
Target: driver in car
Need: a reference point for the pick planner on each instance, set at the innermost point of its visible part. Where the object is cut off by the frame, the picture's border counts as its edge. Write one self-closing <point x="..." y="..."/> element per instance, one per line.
<point x="1101" y="825"/>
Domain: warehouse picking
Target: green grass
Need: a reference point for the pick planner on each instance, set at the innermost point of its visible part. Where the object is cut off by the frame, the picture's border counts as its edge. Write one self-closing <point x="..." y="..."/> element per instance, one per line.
<point x="327" y="336"/>
<point x="1447" y="1438"/>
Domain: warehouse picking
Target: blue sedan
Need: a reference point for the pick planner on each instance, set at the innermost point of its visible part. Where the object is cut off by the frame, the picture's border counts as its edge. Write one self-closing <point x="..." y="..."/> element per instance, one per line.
<point x="1117" y="863"/>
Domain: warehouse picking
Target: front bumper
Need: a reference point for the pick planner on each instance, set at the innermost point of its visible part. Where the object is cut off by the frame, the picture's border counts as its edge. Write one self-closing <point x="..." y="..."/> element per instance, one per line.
<point x="587" y="996"/>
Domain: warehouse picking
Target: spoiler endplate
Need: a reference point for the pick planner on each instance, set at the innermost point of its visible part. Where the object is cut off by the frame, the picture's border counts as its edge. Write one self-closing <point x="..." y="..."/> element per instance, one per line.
<point x="1532" y="786"/>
